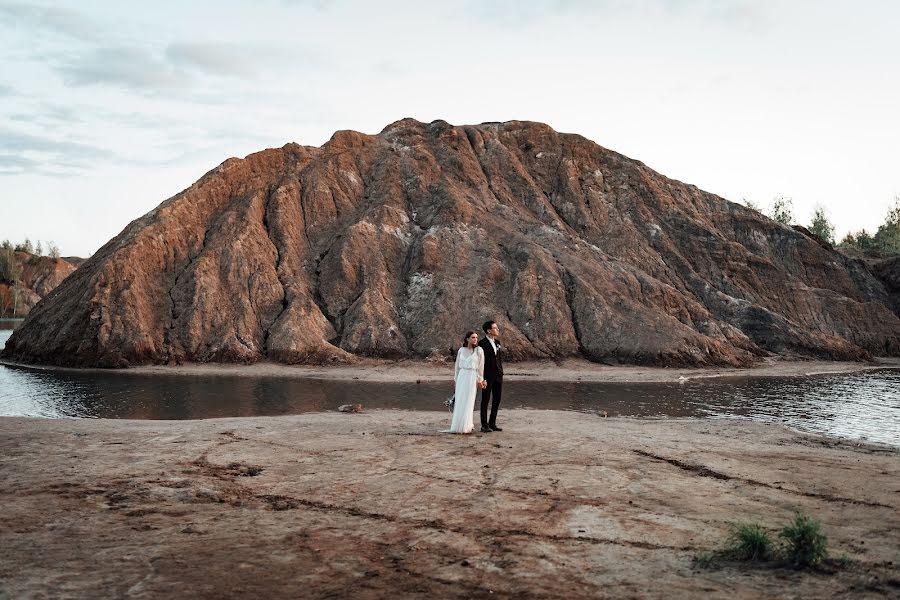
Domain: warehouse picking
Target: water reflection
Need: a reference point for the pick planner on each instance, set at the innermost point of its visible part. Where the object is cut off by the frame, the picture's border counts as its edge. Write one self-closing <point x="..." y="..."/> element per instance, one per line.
<point x="860" y="406"/>
<point x="117" y="396"/>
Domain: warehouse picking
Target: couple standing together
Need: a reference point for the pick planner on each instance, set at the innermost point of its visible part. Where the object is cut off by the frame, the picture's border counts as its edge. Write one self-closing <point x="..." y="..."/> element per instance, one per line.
<point x="478" y="366"/>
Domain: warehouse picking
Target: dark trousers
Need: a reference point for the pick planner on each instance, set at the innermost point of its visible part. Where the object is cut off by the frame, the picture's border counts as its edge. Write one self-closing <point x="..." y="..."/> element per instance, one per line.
<point x="494" y="388"/>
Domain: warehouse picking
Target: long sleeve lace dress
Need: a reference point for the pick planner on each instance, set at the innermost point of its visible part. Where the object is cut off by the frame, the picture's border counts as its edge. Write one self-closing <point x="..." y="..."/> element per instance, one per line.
<point x="469" y="372"/>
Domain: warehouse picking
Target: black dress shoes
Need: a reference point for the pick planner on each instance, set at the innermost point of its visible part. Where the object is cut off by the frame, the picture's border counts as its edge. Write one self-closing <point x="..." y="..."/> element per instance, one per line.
<point x="486" y="429"/>
<point x="495" y="428"/>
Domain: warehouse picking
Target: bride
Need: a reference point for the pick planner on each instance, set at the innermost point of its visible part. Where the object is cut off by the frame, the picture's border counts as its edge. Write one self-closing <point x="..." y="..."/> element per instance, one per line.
<point x="469" y="376"/>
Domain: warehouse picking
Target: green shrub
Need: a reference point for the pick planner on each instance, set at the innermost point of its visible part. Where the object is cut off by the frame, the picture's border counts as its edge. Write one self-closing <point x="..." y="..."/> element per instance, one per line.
<point x="821" y="226"/>
<point x="803" y="546"/>
<point x="804" y="543"/>
<point x="749" y="541"/>
<point x="782" y="211"/>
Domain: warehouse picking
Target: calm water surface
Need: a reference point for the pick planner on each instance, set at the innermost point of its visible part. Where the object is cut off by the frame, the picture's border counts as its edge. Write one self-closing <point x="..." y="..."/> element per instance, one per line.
<point x="858" y="406"/>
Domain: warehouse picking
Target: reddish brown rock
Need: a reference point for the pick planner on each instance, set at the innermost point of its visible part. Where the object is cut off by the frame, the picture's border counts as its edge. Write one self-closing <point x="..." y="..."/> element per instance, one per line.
<point x="38" y="276"/>
<point x="395" y="244"/>
<point x="888" y="270"/>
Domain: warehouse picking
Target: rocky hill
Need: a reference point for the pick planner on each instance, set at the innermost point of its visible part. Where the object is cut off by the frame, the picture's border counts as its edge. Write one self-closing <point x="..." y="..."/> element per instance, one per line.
<point x="39" y="275"/>
<point x="395" y="244"/>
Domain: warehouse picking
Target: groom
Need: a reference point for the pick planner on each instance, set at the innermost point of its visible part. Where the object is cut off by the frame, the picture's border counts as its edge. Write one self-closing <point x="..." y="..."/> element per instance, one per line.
<point x="493" y="376"/>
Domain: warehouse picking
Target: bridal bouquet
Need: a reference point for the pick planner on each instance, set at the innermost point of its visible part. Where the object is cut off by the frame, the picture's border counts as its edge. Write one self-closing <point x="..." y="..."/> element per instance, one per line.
<point x="450" y="402"/>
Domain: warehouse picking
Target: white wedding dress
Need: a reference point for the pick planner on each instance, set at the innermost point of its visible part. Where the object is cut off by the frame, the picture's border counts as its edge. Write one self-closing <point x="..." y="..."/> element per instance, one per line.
<point x="469" y="373"/>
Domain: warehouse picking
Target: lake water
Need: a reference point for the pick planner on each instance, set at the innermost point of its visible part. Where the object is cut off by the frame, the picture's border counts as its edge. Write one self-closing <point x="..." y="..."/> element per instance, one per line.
<point x="858" y="406"/>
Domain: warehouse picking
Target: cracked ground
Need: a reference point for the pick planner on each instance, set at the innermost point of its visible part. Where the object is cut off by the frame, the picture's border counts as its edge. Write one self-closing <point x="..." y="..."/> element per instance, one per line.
<point x="558" y="505"/>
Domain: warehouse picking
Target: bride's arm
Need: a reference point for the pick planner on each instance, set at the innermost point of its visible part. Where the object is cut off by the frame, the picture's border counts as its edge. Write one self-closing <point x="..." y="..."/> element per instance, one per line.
<point x="456" y="367"/>
<point x="480" y="364"/>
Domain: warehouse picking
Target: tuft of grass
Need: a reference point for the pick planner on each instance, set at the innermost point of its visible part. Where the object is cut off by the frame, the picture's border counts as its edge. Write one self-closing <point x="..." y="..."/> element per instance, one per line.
<point x="843" y="561"/>
<point x="746" y="542"/>
<point x="706" y="560"/>
<point x="804" y="543"/>
<point x="749" y="542"/>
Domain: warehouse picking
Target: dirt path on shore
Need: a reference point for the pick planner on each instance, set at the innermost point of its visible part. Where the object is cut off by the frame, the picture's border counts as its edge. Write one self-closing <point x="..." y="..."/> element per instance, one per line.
<point x="566" y="370"/>
<point x="372" y="505"/>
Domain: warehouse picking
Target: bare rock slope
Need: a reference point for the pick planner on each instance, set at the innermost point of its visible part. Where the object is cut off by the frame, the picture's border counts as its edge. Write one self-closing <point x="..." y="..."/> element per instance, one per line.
<point x="395" y="244"/>
<point x="38" y="276"/>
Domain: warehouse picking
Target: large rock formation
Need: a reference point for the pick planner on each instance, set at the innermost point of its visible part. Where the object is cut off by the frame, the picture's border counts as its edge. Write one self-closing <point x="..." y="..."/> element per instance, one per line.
<point x="38" y="276"/>
<point x="395" y="244"/>
<point x="888" y="270"/>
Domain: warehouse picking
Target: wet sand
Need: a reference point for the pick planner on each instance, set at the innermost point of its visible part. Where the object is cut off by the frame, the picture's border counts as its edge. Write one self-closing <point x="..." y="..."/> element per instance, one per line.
<point x="565" y="370"/>
<point x="372" y="505"/>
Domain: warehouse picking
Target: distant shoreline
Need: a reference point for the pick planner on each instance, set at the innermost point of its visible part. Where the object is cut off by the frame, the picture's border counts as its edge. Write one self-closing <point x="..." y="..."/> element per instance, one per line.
<point x="569" y="370"/>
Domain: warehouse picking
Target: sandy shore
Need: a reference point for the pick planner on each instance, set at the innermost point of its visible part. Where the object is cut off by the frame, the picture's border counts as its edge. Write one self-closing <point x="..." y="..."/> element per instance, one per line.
<point x="562" y="370"/>
<point x="558" y="505"/>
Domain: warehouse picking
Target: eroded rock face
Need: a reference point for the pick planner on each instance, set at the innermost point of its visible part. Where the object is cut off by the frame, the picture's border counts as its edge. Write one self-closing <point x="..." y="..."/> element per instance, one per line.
<point x="888" y="271"/>
<point x="395" y="244"/>
<point x="39" y="275"/>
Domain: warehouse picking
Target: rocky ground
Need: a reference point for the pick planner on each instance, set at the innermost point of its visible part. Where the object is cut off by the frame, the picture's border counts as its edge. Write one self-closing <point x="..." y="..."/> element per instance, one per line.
<point x="558" y="505"/>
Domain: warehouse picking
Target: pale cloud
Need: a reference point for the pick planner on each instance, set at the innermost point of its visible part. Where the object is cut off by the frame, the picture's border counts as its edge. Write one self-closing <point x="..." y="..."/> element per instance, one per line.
<point x="740" y="13"/>
<point x="48" y="114"/>
<point x="388" y="68"/>
<point x="160" y="140"/>
<point x="12" y="164"/>
<point x="53" y="19"/>
<point x="216" y="59"/>
<point x="53" y="115"/>
<point x="44" y="154"/>
<point x="179" y="68"/>
<point x="130" y="67"/>
<point x="19" y="141"/>
<point x="319" y="5"/>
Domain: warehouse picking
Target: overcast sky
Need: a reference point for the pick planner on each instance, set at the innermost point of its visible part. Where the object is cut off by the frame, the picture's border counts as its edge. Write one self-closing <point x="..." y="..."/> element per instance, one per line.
<point x="108" y="108"/>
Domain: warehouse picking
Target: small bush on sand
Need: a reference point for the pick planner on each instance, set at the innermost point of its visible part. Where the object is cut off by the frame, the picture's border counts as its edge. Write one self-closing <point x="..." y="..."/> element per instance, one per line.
<point x="746" y="542"/>
<point x="749" y="541"/>
<point x="804" y="543"/>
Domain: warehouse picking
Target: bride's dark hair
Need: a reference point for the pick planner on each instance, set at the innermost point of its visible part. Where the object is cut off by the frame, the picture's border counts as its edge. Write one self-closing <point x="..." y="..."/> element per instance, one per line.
<point x="466" y="338"/>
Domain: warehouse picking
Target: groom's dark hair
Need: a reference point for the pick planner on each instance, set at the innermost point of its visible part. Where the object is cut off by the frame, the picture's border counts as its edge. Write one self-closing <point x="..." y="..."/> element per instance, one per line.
<point x="487" y="325"/>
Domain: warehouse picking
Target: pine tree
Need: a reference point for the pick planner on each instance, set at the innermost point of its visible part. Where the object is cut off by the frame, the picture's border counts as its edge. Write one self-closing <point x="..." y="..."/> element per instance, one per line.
<point x="782" y="211"/>
<point x="861" y="240"/>
<point x="887" y="238"/>
<point x="7" y="262"/>
<point x="821" y="226"/>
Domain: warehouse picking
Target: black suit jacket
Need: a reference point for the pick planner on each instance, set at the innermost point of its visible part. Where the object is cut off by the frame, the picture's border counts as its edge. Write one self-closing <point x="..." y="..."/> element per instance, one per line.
<point x="493" y="363"/>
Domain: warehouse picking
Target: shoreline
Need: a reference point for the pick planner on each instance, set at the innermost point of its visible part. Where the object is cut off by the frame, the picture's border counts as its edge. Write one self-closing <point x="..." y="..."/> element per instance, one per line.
<point x="566" y="370"/>
<point x="558" y="505"/>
